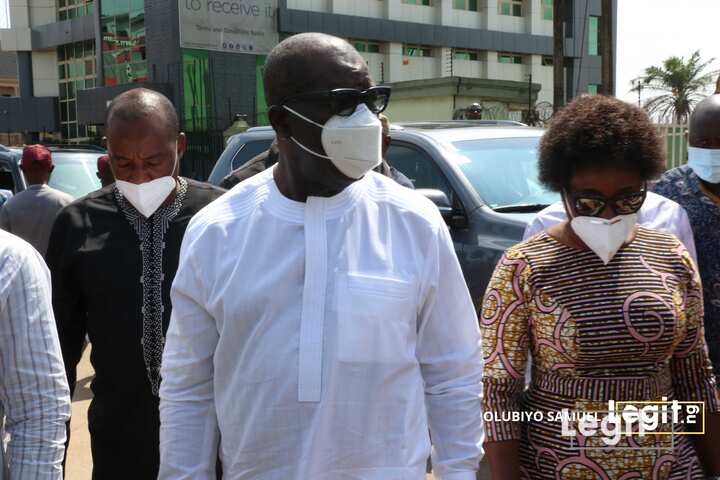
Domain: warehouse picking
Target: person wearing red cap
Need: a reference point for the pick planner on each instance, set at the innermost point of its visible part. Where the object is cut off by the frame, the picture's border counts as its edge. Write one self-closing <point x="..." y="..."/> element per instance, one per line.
<point x="30" y="214"/>
<point x="104" y="172"/>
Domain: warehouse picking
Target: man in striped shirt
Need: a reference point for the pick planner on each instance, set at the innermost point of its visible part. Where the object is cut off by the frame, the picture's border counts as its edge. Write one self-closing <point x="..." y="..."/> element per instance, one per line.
<point x="34" y="392"/>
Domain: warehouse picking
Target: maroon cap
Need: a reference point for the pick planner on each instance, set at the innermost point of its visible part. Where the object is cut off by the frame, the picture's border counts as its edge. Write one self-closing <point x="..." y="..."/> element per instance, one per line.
<point x="36" y="158"/>
<point x="103" y="165"/>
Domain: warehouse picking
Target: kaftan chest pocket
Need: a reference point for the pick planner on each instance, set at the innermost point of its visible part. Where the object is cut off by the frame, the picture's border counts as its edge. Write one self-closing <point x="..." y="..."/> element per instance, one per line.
<point x="376" y="318"/>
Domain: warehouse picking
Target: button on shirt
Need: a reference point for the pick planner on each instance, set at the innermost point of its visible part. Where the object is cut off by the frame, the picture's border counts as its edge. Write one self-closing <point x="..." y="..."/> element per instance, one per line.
<point x="320" y="340"/>
<point x="30" y="214"/>
<point x="658" y="213"/>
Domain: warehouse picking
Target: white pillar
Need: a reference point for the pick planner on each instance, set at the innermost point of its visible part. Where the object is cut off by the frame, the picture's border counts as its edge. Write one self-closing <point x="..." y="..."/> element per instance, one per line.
<point x="445" y="12"/>
<point x="393" y="9"/>
<point x="393" y="65"/>
<point x="533" y="17"/>
<point x="489" y="10"/>
<point x="492" y="65"/>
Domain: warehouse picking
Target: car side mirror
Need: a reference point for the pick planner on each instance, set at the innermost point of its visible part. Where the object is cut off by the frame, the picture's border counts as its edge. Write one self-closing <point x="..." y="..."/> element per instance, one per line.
<point x="452" y="216"/>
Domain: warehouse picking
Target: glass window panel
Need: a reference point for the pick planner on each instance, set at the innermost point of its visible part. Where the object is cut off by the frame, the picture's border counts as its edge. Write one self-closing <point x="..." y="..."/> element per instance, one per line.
<point x="137" y="5"/>
<point x="90" y="83"/>
<point x="61" y="53"/>
<point x="517" y="10"/>
<point x="473" y="5"/>
<point x="592" y="89"/>
<point x="505" y="8"/>
<point x="360" y="46"/>
<point x="79" y="85"/>
<point x="81" y="131"/>
<point x="373" y="48"/>
<point x="64" y="131"/>
<point x="71" y="14"/>
<point x="70" y="90"/>
<point x="593" y="36"/>
<point x="89" y="67"/>
<point x="78" y="49"/>
<point x="61" y="71"/>
<point x="459" y="4"/>
<point x="72" y="114"/>
<point x="72" y="130"/>
<point x="62" y="15"/>
<point x="547" y="7"/>
<point x="63" y="91"/>
<point x="61" y="3"/>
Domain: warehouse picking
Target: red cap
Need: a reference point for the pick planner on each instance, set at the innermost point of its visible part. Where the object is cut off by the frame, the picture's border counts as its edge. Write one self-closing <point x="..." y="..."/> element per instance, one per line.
<point x="36" y="158"/>
<point x="103" y="165"/>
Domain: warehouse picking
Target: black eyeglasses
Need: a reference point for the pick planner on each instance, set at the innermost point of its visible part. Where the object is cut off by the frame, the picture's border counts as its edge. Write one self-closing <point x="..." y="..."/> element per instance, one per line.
<point x="343" y="101"/>
<point x="593" y="206"/>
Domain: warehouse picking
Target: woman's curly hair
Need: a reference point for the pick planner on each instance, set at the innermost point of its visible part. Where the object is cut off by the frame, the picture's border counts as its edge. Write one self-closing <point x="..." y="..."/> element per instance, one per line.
<point x="599" y="132"/>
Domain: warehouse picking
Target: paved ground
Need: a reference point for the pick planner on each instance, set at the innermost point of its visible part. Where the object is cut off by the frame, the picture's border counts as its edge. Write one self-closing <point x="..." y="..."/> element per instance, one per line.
<point x="79" y="463"/>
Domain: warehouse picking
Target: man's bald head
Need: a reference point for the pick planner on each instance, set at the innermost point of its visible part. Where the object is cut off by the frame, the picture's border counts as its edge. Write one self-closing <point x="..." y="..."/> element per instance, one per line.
<point x="310" y="62"/>
<point x="142" y="103"/>
<point x="705" y="123"/>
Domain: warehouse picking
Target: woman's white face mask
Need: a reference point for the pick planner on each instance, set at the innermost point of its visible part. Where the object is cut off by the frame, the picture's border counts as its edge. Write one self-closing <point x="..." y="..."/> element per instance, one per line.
<point x="603" y="236"/>
<point x="147" y="197"/>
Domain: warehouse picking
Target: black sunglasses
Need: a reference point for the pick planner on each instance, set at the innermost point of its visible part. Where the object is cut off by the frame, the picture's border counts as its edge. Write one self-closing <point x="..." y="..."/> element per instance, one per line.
<point x="343" y="101"/>
<point x="593" y="206"/>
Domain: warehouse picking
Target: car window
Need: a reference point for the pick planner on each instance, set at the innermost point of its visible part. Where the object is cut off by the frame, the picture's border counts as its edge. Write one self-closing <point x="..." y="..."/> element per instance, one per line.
<point x="6" y="181"/>
<point x="419" y="167"/>
<point x="75" y="173"/>
<point x="504" y="171"/>
<point x="249" y="151"/>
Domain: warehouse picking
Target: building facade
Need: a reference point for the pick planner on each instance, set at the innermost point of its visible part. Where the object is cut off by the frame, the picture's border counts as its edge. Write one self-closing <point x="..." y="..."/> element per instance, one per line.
<point x="74" y="56"/>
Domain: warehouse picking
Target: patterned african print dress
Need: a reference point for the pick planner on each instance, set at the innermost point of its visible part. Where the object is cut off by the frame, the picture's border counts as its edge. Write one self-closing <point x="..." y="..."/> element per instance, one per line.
<point x="630" y="330"/>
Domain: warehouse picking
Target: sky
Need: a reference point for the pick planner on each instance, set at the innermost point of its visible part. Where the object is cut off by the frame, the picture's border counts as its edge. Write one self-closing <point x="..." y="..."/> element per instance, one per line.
<point x="650" y="31"/>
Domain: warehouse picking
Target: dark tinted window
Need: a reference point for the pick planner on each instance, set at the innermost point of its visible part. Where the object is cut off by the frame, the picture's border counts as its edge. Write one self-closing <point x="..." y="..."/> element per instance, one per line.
<point x="6" y="181"/>
<point x="249" y="151"/>
<point x="418" y="167"/>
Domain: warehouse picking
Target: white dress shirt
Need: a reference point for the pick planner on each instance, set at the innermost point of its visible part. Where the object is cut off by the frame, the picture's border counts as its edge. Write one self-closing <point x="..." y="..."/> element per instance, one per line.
<point x="33" y="389"/>
<point x="320" y="340"/>
<point x="658" y="213"/>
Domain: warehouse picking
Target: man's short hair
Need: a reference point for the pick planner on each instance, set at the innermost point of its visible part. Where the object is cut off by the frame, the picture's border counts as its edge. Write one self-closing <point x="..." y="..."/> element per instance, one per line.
<point x="36" y="158"/>
<point x="139" y="103"/>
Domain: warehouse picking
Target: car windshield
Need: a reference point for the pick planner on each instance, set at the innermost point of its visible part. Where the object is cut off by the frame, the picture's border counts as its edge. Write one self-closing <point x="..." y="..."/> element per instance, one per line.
<point x="75" y="173"/>
<point x="504" y="172"/>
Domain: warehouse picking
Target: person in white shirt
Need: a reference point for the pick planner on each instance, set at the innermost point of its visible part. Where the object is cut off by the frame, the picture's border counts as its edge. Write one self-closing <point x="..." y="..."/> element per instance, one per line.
<point x="321" y="324"/>
<point x="34" y="393"/>
<point x="658" y="213"/>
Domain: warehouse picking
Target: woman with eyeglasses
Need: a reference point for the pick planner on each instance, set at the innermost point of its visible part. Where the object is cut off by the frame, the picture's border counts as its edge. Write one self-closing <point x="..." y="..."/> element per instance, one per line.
<point x="609" y="311"/>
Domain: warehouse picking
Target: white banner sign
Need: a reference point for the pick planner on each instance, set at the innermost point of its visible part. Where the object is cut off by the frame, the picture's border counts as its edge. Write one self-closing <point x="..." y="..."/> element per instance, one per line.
<point x="239" y="26"/>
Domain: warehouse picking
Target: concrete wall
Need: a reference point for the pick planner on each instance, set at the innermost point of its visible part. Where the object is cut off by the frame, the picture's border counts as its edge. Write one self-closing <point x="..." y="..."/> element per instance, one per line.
<point x="45" y="73"/>
<point x="416" y="110"/>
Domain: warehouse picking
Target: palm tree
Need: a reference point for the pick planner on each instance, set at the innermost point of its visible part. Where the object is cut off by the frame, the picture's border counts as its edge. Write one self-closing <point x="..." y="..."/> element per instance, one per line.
<point x="682" y="84"/>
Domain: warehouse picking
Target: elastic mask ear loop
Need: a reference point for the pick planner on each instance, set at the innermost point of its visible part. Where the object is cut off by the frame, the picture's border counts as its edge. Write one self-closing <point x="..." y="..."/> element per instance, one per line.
<point x="566" y="204"/>
<point x="302" y="116"/>
<point x="294" y="140"/>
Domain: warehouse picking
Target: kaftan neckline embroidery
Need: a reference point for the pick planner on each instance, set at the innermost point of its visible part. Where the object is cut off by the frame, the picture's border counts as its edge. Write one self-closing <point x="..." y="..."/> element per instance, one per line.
<point x="151" y="233"/>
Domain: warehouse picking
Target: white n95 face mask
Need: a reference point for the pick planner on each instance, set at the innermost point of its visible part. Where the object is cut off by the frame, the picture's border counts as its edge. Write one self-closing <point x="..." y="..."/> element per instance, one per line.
<point x="705" y="162"/>
<point x="353" y="144"/>
<point x="147" y="197"/>
<point x="604" y="237"/>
